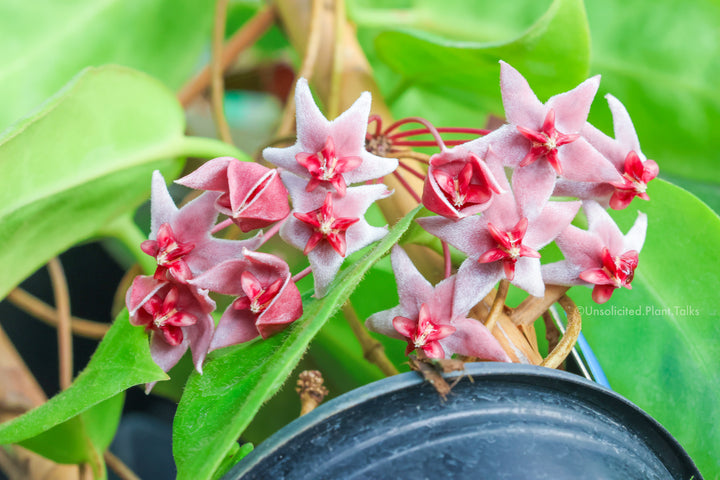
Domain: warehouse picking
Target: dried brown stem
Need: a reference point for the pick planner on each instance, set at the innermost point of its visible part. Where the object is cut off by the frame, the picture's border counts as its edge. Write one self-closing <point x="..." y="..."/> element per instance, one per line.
<point x="532" y="308"/>
<point x="250" y="32"/>
<point x="373" y="350"/>
<point x="45" y="313"/>
<point x="552" y="334"/>
<point x="566" y="344"/>
<point x="311" y="390"/>
<point x="217" y="88"/>
<point x="64" y="329"/>
<point x="117" y="466"/>
<point x="307" y="67"/>
<point x="498" y="305"/>
<point x="337" y="61"/>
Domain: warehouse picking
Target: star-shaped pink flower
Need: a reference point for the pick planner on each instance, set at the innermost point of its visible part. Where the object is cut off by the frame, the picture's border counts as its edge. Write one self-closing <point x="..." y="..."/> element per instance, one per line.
<point x="543" y="141"/>
<point x="625" y="154"/>
<point x="267" y="299"/>
<point x="504" y="241"/>
<point x="330" y="153"/>
<point x="600" y="256"/>
<point x="428" y="318"/>
<point x="180" y="239"/>
<point x="329" y="231"/>
<point x="458" y="183"/>
<point x="253" y="196"/>
<point x="178" y="315"/>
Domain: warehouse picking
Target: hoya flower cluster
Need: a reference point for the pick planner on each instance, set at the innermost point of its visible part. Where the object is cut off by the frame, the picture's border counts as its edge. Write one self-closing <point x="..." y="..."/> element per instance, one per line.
<point x="326" y="221"/>
<point x="497" y="200"/>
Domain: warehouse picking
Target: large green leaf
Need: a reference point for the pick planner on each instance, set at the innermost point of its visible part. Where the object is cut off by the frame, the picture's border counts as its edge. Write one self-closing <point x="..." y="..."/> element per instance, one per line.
<point x="659" y="343"/>
<point x="662" y="60"/>
<point x="553" y="54"/>
<point x="83" y="161"/>
<point x="218" y="405"/>
<point x="121" y="360"/>
<point x="44" y="43"/>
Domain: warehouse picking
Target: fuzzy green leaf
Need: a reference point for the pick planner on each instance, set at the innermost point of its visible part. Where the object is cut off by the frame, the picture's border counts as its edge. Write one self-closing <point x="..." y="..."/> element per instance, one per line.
<point x="218" y="405"/>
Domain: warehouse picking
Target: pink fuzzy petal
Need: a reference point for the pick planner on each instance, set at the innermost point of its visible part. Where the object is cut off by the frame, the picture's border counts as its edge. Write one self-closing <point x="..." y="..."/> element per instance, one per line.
<point x="471" y="338"/>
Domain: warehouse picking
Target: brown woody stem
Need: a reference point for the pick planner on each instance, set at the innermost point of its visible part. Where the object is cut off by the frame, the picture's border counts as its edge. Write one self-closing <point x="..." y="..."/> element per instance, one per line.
<point x="337" y="61"/>
<point x="45" y="313"/>
<point x="532" y="308"/>
<point x="373" y="350"/>
<point x="566" y="344"/>
<point x="250" y="32"/>
<point x="217" y="88"/>
<point x="64" y="331"/>
<point x="498" y="304"/>
<point x="117" y="466"/>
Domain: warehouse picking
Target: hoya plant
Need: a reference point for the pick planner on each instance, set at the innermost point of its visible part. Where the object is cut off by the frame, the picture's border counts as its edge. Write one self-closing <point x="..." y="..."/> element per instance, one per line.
<point x="433" y="182"/>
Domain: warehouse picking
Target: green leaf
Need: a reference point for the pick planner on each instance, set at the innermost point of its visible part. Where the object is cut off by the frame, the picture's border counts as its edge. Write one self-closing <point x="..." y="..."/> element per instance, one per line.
<point x="468" y="71"/>
<point x="44" y="43"/>
<point x="83" y="438"/>
<point x="218" y="405"/>
<point x="83" y="161"/>
<point x="658" y="343"/>
<point x="121" y="360"/>
<point x="662" y="60"/>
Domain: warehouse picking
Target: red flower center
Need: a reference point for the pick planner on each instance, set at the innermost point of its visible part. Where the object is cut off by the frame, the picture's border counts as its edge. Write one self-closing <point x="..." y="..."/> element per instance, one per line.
<point x="545" y="143"/>
<point x="510" y="247"/>
<point x="424" y="334"/>
<point x="468" y="187"/>
<point x="616" y="272"/>
<point x="326" y="226"/>
<point x="326" y="166"/>
<point x="169" y="253"/>
<point x="258" y="296"/>
<point x="164" y="316"/>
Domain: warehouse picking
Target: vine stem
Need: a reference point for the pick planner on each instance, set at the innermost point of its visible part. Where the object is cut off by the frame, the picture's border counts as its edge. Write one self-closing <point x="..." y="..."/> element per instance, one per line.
<point x="217" y="88"/>
<point x="250" y="32"/>
<point x="412" y="171"/>
<point x="407" y="186"/>
<point x="119" y="467"/>
<point x="337" y="61"/>
<point x="306" y="71"/>
<point x="498" y="304"/>
<point x="64" y="332"/>
<point x="302" y="274"/>
<point x="566" y="344"/>
<point x="129" y="234"/>
<point x="373" y="350"/>
<point x="45" y="313"/>
<point x="448" y="259"/>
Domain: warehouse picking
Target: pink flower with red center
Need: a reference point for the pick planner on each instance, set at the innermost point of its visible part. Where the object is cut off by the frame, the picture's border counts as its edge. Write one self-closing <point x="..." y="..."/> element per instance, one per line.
<point x="326" y="166"/>
<point x="616" y="272"/>
<point x="600" y="256"/>
<point x="504" y="242"/>
<point x="327" y="153"/>
<point x="329" y="230"/>
<point x="178" y="315"/>
<point x="180" y="239"/>
<point x="542" y="140"/>
<point x="624" y="153"/>
<point x="326" y="226"/>
<point x="267" y="299"/>
<point x="253" y="196"/>
<point x="458" y="184"/>
<point x="434" y="319"/>
<point x="424" y="333"/>
<point x="509" y="247"/>
<point x="545" y="143"/>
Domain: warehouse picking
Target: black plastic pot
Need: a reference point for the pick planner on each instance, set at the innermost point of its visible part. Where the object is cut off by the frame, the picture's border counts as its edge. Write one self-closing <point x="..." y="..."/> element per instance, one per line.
<point x="506" y="421"/>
